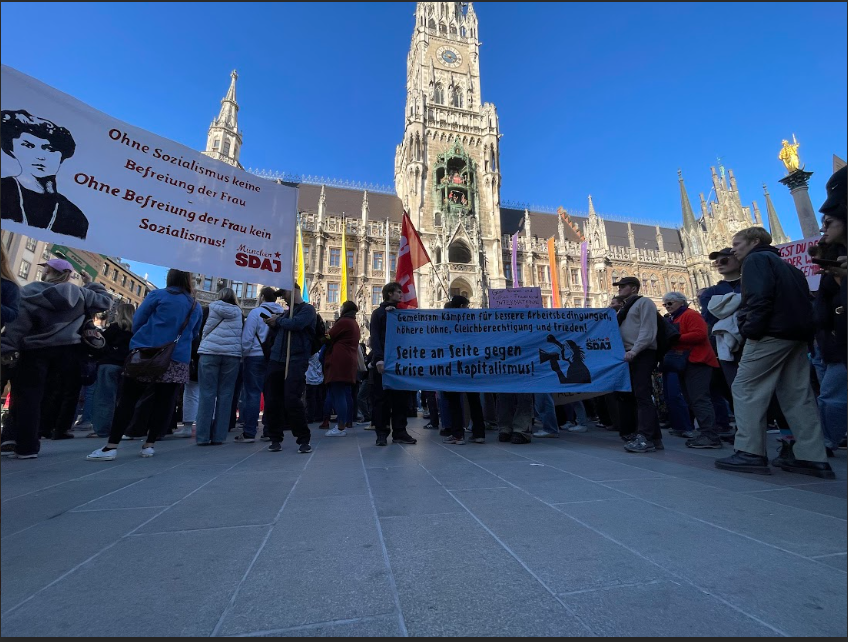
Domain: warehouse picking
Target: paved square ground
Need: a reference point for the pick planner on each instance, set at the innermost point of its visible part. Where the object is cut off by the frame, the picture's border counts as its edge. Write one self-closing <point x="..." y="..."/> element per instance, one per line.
<point x="562" y="537"/>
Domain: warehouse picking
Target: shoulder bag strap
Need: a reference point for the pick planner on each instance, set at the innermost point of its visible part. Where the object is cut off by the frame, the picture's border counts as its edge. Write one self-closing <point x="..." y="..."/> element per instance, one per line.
<point x="185" y="323"/>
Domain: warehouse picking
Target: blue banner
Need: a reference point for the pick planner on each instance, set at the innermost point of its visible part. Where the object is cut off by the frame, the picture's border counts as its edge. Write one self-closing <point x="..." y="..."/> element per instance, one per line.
<point x="539" y="350"/>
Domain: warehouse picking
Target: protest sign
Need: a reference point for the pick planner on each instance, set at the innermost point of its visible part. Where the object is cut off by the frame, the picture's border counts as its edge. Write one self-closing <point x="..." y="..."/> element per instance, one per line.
<point x="75" y="176"/>
<point x="82" y="261"/>
<point x="795" y="253"/>
<point x="522" y="351"/>
<point x="515" y="298"/>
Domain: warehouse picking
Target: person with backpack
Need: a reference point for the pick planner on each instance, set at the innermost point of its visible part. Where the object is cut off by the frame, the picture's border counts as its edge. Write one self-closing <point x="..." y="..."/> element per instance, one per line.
<point x="694" y="361"/>
<point x="299" y="336"/>
<point x="256" y="348"/>
<point x="639" y="425"/>
<point x="220" y="357"/>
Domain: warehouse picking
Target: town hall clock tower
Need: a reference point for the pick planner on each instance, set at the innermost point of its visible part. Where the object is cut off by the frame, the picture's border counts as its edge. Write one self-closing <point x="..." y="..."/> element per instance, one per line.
<point x="447" y="169"/>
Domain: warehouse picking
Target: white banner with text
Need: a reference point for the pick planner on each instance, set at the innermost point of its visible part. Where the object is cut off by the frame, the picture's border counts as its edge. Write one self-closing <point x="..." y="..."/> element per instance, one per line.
<point x="75" y="176"/>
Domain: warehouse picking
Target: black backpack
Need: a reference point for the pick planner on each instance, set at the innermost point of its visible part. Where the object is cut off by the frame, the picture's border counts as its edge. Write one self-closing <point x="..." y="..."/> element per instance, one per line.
<point x="268" y="343"/>
<point x="668" y="335"/>
<point x="319" y="338"/>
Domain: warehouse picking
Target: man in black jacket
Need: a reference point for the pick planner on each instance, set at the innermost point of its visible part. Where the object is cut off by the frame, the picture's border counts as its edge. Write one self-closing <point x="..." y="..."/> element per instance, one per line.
<point x="776" y="319"/>
<point x="387" y="405"/>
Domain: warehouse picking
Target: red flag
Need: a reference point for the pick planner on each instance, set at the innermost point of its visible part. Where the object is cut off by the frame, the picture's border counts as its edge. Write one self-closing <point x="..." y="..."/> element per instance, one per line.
<point x="411" y="256"/>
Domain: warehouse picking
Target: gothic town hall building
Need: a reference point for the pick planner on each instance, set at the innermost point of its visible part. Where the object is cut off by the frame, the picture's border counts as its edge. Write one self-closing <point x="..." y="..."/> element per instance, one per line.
<point x="447" y="176"/>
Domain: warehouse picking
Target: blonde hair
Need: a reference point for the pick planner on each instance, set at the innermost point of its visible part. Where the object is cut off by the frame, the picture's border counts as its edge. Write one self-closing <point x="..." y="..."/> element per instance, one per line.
<point x="754" y="234"/>
<point x="6" y="269"/>
<point x="124" y="316"/>
<point x="228" y="295"/>
<point x="52" y="275"/>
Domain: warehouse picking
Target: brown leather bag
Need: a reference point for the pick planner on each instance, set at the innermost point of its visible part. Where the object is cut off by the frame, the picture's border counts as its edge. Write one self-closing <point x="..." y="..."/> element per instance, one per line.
<point x="153" y="362"/>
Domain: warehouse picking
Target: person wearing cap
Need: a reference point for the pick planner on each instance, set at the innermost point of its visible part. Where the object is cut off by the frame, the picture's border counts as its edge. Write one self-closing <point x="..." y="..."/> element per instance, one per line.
<point x="47" y="334"/>
<point x="776" y="319"/>
<point x="830" y="315"/>
<point x="638" y="423"/>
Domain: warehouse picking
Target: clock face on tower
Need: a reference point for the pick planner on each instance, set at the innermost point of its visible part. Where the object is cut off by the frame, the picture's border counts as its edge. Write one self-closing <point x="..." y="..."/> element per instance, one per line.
<point x="448" y="57"/>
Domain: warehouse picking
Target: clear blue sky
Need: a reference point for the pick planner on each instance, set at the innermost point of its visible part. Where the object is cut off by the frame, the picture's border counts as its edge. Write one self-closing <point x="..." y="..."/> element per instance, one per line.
<point x="601" y="99"/>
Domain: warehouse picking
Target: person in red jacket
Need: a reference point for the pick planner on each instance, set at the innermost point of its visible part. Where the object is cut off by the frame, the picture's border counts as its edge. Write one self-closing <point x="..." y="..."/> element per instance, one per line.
<point x="694" y="357"/>
<point x="340" y="366"/>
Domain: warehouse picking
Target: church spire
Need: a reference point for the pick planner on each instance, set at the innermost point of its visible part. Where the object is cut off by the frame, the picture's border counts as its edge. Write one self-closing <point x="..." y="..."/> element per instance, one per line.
<point x="775" y="227"/>
<point x="688" y="215"/>
<point x="758" y="218"/>
<point x="223" y="142"/>
<point x="591" y="207"/>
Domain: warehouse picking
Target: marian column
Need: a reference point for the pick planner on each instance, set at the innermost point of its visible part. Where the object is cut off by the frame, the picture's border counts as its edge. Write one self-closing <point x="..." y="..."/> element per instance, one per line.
<point x="798" y="182"/>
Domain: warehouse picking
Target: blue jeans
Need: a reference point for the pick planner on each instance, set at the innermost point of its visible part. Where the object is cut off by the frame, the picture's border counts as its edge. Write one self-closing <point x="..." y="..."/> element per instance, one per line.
<point x="104" y="399"/>
<point x="342" y="401"/>
<point x="833" y="403"/>
<point x="217" y="378"/>
<point x="546" y="412"/>
<point x="678" y="410"/>
<point x="253" y="380"/>
<point x="579" y="412"/>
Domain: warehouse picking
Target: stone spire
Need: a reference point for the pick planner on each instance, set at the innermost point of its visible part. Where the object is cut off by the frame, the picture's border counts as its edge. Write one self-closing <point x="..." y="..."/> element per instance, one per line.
<point x="758" y="218"/>
<point x="364" y="210"/>
<point x="591" y="207"/>
<point x="688" y="215"/>
<point x="223" y="142"/>
<point x="322" y="206"/>
<point x="775" y="228"/>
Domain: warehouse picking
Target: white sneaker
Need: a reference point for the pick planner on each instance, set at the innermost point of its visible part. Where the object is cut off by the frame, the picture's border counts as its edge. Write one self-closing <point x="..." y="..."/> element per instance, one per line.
<point x="335" y="432"/>
<point x="577" y="428"/>
<point x="542" y="434"/>
<point x="147" y="452"/>
<point x="103" y="455"/>
<point x="128" y="438"/>
<point x="185" y="431"/>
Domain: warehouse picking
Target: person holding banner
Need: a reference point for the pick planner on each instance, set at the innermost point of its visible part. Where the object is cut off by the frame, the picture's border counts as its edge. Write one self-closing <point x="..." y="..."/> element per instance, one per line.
<point x="32" y="197"/>
<point x="157" y="322"/>
<point x="639" y="424"/>
<point x="388" y="405"/>
<point x="285" y="381"/>
<point x="47" y="334"/>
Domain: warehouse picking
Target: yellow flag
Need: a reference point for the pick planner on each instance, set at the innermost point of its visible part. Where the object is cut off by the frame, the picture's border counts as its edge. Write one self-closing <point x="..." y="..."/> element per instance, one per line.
<point x="301" y="267"/>
<point x="343" y="289"/>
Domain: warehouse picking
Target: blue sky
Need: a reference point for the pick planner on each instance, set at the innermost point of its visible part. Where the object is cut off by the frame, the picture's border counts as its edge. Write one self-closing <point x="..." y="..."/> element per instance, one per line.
<point x="601" y="99"/>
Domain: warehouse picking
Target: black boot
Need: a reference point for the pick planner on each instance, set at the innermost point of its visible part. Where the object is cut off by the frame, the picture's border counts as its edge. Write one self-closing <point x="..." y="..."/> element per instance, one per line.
<point x="785" y="455"/>
<point x="820" y="469"/>
<point x="744" y="463"/>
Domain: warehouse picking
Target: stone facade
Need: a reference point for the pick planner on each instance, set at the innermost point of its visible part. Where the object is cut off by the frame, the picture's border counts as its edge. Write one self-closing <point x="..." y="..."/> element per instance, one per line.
<point x="447" y="176"/>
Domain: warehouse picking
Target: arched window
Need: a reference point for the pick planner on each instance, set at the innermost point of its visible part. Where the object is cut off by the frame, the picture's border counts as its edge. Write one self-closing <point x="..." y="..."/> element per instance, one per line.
<point x="456" y="99"/>
<point x="439" y="94"/>
<point x="615" y="276"/>
<point x="438" y="251"/>
<point x="438" y="223"/>
<point x="431" y="24"/>
<point x="442" y="28"/>
<point x="459" y="252"/>
<point x="226" y="150"/>
<point x="417" y="147"/>
<point x="453" y="30"/>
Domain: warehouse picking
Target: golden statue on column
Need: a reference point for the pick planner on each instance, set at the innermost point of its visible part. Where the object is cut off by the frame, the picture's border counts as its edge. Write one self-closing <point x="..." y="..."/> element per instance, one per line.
<point x="789" y="155"/>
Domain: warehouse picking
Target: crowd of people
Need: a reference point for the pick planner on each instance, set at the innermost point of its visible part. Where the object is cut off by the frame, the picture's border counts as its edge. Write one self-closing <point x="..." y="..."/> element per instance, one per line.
<point x="762" y="353"/>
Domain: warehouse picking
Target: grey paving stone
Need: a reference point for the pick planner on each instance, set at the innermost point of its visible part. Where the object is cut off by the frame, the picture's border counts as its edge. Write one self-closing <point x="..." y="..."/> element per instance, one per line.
<point x="248" y="499"/>
<point x="739" y="570"/>
<point x="463" y="475"/>
<point x="328" y="480"/>
<point x="836" y="561"/>
<point x="744" y="514"/>
<point x="158" y="490"/>
<point x="800" y="497"/>
<point x="833" y="488"/>
<point x="373" y="627"/>
<point x="478" y="589"/>
<point x="25" y="511"/>
<point x="36" y="557"/>
<point x="564" y="554"/>
<point x="174" y="584"/>
<point x="570" y="489"/>
<point x="661" y="609"/>
<point x="331" y="569"/>
<point x="594" y="468"/>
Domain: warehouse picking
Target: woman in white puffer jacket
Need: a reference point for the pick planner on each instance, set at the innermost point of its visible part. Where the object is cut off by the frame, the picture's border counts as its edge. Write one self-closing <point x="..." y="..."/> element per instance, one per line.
<point x="219" y="361"/>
